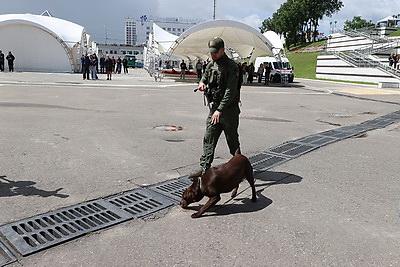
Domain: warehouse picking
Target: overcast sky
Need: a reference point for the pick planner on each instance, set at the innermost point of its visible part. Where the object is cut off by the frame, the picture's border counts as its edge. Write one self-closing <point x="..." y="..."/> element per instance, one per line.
<point x="99" y="16"/>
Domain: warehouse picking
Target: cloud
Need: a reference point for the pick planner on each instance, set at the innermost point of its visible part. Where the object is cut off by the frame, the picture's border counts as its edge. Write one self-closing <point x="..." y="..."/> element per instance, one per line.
<point x="103" y="14"/>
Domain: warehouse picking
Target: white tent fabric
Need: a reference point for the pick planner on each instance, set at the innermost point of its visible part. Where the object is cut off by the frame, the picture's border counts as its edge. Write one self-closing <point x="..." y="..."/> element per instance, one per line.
<point x="277" y="44"/>
<point x="244" y="40"/>
<point x="67" y="31"/>
<point x="162" y="38"/>
<point x="43" y="43"/>
<point x="389" y="18"/>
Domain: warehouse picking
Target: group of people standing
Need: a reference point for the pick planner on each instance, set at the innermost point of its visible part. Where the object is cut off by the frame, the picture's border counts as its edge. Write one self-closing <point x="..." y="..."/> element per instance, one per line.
<point x="394" y="59"/>
<point x="90" y="66"/>
<point x="248" y="72"/>
<point x="10" y="60"/>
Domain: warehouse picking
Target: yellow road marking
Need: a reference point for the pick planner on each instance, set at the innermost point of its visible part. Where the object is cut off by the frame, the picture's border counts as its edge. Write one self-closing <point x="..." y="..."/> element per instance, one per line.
<point x="368" y="91"/>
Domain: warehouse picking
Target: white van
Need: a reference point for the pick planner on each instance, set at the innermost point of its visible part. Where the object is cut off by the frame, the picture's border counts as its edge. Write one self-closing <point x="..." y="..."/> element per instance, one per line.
<point x="278" y="68"/>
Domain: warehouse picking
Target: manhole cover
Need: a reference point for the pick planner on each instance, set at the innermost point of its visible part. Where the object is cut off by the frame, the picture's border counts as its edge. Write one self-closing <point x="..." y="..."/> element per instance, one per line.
<point x="168" y="128"/>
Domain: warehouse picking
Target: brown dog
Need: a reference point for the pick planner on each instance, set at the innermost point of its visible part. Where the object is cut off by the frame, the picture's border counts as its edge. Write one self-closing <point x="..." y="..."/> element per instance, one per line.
<point x="217" y="180"/>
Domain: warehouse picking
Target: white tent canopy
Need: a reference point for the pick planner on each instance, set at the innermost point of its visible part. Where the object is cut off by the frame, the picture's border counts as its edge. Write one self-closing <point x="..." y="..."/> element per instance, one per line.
<point x="43" y="43"/>
<point x="162" y="39"/>
<point x="241" y="38"/>
<point x="388" y="19"/>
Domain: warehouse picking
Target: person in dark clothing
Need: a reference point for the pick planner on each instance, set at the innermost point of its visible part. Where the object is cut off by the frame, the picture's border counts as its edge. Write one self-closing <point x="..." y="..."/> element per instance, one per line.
<point x="119" y="65"/>
<point x="82" y="62"/>
<point x="102" y="64"/>
<point x="1" y="61"/>
<point x="392" y="58"/>
<point x="251" y="73"/>
<point x="220" y="82"/>
<point x="93" y="66"/>
<point x="86" y="67"/>
<point x="183" y="69"/>
<point x="267" y="73"/>
<point x="109" y="67"/>
<point x="125" y="64"/>
<point x="10" y="58"/>
<point x="114" y="62"/>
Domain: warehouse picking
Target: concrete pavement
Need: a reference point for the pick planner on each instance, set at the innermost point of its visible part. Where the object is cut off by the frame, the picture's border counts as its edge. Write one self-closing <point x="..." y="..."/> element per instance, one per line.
<point x="66" y="141"/>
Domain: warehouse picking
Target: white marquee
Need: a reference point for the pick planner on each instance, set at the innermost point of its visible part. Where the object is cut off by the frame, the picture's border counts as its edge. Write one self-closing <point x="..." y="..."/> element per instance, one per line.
<point x="43" y="43"/>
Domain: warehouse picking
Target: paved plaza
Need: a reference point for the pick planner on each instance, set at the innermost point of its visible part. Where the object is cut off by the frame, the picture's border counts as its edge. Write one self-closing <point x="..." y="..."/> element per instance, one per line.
<point x="66" y="141"/>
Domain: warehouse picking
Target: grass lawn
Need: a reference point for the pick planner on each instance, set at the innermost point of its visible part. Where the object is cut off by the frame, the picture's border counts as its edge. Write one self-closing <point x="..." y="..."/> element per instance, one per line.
<point x="304" y="64"/>
<point x="396" y="33"/>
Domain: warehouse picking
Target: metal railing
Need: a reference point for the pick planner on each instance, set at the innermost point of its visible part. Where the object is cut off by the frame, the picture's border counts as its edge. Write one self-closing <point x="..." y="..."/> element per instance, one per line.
<point x="357" y="33"/>
<point x="378" y="48"/>
<point x="363" y="61"/>
<point x="360" y="57"/>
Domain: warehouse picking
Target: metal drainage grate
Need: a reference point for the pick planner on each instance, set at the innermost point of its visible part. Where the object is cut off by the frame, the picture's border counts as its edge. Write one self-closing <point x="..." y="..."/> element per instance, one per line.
<point x="264" y="161"/>
<point x="380" y="122"/>
<point x="292" y="149"/>
<point x="6" y="256"/>
<point x="173" y="188"/>
<point x="31" y="235"/>
<point x="393" y="115"/>
<point x="357" y="129"/>
<point x="140" y="202"/>
<point x="338" y="134"/>
<point x="317" y="140"/>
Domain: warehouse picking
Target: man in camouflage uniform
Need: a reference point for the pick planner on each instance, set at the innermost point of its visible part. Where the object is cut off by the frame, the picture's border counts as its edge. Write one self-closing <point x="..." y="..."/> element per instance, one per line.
<point x="220" y="84"/>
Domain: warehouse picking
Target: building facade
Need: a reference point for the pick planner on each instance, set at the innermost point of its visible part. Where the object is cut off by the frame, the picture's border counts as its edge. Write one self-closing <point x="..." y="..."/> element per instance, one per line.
<point x="137" y="31"/>
<point x="115" y="50"/>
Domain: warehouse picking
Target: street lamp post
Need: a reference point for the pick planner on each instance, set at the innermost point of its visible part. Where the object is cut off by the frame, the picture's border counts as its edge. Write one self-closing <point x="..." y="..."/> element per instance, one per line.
<point x="214" y="10"/>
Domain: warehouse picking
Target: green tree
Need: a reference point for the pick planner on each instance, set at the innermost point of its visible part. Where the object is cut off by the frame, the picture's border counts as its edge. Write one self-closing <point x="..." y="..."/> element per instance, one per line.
<point x="356" y="23"/>
<point x="298" y="20"/>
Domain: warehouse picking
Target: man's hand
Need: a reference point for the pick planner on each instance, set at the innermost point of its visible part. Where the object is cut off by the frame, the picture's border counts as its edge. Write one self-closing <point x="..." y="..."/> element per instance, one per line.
<point x="215" y="117"/>
<point x="201" y="87"/>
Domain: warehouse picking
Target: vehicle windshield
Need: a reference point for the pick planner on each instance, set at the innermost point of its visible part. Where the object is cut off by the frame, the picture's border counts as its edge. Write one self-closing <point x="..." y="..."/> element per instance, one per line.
<point x="282" y="65"/>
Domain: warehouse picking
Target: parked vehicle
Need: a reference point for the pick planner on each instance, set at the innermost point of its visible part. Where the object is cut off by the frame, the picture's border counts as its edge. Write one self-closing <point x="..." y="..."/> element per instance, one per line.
<point x="279" y="68"/>
<point x="131" y="61"/>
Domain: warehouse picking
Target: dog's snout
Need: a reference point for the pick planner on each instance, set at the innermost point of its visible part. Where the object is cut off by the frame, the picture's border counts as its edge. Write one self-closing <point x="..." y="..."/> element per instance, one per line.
<point x="183" y="203"/>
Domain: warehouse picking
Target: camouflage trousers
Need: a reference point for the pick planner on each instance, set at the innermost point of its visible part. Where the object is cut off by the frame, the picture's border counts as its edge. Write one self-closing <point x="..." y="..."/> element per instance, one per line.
<point x="229" y="123"/>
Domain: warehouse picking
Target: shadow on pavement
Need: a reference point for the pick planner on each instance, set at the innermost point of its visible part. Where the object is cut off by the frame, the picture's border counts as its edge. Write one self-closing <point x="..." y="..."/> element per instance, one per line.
<point x="273" y="178"/>
<point x="9" y="188"/>
<point x="244" y="204"/>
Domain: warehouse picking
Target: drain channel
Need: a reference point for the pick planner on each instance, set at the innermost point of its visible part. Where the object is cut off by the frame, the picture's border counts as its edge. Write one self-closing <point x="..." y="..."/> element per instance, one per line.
<point x="34" y="234"/>
<point x="49" y="229"/>
<point x="173" y="188"/>
<point x="6" y="256"/>
<point x="140" y="202"/>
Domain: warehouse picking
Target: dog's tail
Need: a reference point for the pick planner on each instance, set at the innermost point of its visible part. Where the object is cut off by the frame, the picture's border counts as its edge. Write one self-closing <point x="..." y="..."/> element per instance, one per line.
<point x="238" y="152"/>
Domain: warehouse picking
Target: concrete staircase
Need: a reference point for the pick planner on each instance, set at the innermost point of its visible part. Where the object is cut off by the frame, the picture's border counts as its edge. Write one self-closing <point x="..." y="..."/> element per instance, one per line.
<point x="359" y="56"/>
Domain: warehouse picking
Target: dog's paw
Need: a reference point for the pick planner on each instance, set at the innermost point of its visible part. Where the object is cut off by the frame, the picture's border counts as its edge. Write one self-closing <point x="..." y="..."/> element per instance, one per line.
<point x="195" y="215"/>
